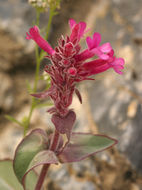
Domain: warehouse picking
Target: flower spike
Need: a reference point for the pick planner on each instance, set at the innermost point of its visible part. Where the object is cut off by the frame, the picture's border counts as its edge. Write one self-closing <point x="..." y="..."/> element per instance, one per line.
<point x="69" y="66"/>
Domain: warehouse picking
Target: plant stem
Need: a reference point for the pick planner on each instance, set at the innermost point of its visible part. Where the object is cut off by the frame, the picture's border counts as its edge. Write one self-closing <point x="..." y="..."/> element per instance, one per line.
<point x="46" y="166"/>
<point x="36" y="79"/>
<point x="39" y="57"/>
<point x="42" y="53"/>
<point x="49" y="22"/>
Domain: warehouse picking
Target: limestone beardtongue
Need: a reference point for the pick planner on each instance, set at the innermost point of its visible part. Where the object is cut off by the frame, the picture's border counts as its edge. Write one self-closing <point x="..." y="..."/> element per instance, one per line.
<point x="69" y="65"/>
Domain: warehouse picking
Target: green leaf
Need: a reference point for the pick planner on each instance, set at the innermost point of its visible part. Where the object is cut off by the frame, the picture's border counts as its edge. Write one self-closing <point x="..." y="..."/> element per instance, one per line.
<point x="31" y="180"/>
<point x="30" y="153"/>
<point x="8" y="180"/>
<point x="27" y="149"/>
<point x="82" y="145"/>
<point x="10" y="118"/>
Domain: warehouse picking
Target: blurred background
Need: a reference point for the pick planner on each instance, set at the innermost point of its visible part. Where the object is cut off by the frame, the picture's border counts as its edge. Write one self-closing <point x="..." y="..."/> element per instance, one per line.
<point x="112" y="104"/>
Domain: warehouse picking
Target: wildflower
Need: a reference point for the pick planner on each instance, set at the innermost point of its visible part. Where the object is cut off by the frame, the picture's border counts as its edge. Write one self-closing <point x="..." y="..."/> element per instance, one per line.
<point x="42" y="5"/>
<point x="69" y="66"/>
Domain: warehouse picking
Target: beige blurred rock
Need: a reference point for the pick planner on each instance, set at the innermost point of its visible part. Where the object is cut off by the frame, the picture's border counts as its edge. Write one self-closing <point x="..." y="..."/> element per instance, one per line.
<point x="10" y="51"/>
<point x="135" y="187"/>
<point x="6" y="95"/>
<point x="132" y="109"/>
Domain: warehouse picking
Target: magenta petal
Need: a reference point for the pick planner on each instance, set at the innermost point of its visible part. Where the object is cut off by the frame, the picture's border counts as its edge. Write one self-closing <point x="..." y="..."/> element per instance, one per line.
<point x="118" y="69"/>
<point x="96" y="66"/>
<point x="100" y="54"/>
<point x="96" y="39"/>
<point x="99" y="69"/>
<point x="64" y="125"/>
<point x="82" y="28"/>
<point x="119" y="61"/>
<point x="43" y="44"/>
<point x="89" y="42"/>
<point x="93" y="64"/>
<point x="93" y="43"/>
<point x="75" y="33"/>
<point x="82" y="145"/>
<point x="104" y="56"/>
<point x="118" y="65"/>
<point x="78" y="30"/>
<point x="105" y="48"/>
<point x="86" y="54"/>
<point x="71" y="23"/>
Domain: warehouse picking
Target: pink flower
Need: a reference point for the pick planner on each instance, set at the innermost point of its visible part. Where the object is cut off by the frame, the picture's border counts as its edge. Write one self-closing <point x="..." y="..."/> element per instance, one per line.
<point x="78" y="30"/>
<point x="94" y="46"/>
<point x="69" y="64"/>
<point x="43" y="44"/>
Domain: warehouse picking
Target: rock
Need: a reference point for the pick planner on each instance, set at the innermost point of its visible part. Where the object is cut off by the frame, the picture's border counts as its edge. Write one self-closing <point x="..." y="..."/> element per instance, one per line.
<point x="10" y="51"/>
<point x="18" y="13"/>
<point x="83" y="168"/>
<point x="10" y="138"/>
<point x="7" y="93"/>
<point x="133" y="135"/>
<point x="135" y="187"/>
<point x="65" y="181"/>
<point x="16" y="17"/>
<point x="116" y="100"/>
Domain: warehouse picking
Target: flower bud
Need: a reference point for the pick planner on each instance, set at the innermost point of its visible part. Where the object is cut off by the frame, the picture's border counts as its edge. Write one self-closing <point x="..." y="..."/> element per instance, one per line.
<point x="72" y="71"/>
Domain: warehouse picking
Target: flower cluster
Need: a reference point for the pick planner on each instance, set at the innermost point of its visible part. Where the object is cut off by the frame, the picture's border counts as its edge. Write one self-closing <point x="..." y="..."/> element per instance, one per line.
<point x="43" y="5"/>
<point x="39" y="4"/>
<point x="69" y="64"/>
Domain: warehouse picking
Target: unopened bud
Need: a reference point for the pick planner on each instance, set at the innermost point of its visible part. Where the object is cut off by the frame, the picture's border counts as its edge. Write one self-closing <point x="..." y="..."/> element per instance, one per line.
<point x="72" y="71"/>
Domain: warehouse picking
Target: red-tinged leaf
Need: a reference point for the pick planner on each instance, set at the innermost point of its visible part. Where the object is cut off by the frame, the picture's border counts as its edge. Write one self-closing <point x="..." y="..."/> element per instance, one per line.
<point x="83" y="145"/>
<point x="31" y="152"/>
<point x="78" y="95"/>
<point x="44" y="94"/>
<point x="43" y="157"/>
<point x="64" y="125"/>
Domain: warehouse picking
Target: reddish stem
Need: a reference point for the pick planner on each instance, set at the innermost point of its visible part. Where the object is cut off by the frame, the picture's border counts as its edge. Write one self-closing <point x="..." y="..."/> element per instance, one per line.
<point x="46" y="166"/>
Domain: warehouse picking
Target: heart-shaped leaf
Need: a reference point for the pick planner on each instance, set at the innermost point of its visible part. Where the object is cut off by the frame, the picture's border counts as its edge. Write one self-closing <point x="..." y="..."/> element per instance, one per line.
<point x="64" y="125"/>
<point x="30" y="153"/>
<point x="8" y="180"/>
<point x="82" y="145"/>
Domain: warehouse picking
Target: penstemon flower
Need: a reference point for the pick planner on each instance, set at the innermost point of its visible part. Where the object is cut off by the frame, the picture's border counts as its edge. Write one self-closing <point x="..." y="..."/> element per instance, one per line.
<point x="69" y="66"/>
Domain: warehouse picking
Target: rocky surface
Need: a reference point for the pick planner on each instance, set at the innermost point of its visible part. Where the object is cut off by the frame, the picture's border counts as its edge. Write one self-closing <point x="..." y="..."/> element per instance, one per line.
<point x="111" y="103"/>
<point x="117" y="108"/>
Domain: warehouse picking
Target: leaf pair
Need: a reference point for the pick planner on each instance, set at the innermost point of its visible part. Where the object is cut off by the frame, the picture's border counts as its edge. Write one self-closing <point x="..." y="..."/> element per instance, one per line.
<point x="33" y="151"/>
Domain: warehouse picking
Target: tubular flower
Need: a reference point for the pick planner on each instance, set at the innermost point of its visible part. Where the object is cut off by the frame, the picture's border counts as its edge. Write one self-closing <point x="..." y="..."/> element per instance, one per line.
<point x="69" y="64"/>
